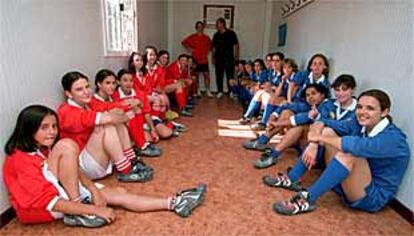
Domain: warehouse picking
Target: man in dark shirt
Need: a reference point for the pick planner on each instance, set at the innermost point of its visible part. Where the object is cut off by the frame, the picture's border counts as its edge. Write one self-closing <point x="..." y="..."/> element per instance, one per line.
<point x="225" y="52"/>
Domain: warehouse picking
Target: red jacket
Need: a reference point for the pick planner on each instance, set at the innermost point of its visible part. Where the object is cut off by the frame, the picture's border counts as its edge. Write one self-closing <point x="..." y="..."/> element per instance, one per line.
<point x="98" y="104"/>
<point x="76" y="122"/>
<point x="119" y="96"/>
<point x="157" y="77"/>
<point x="30" y="192"/>
<point x="143" y="83"/>
<point x="174" y="73"/>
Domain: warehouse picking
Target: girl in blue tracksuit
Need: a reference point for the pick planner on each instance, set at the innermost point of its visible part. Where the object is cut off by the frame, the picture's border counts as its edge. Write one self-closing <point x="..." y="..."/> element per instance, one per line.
<point x="261" y="81"/>
<point x="364" y="167"/>
<point x="304" y="114"/>
<point x="341" y="108"/>
<point x="317" y="72"/>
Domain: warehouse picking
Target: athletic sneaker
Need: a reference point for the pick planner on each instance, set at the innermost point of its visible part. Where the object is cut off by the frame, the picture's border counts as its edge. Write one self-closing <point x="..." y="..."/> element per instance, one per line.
<point x="185" y="112"/>
<point x="135" y="175"/>
<point x="139" y="165"/>
<point x="209" y="94"/>
<point x="219" y="95"/>
<point x="255" y="145"/>
<point x="150" y="150"/>
<point x="259" y="126"/>
<point x="187" y="200"/>
<point x="282" y="181"/>
<point x="297" y="205"/>
<point x="179" y="127"/>
<point x="244" y="121"/>
<point x="265" y="161"/>
<point x="88" y="221"/>
<point x="189" y="107"/>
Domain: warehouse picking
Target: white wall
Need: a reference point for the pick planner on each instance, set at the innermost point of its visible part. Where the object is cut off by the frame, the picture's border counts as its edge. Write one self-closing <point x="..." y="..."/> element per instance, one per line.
<point x="249" y="25"/>
<point x="40" y="41"/>
<point x="373" y="40"/>
<point x="152" y="24"/>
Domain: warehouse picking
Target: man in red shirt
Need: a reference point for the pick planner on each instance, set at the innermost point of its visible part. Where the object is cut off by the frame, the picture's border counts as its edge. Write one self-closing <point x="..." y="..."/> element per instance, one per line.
<point x="199" y="44"/>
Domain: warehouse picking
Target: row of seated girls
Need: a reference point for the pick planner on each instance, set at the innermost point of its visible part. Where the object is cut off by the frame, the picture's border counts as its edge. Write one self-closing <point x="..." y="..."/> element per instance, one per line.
<point x="92" y="134"/>
<point x="362" y="153"/>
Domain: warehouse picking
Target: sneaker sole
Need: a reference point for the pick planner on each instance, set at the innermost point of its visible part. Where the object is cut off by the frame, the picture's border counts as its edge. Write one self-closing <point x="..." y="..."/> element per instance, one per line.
<point x="77" y="223"/>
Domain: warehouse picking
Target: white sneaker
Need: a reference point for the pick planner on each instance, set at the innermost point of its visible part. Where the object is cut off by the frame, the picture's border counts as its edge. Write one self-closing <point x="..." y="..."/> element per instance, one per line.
<point x="231" y="95"/>
<point x="209" y="94"/>
<point x="219" y="95"/>
<point x="199" y="93"/>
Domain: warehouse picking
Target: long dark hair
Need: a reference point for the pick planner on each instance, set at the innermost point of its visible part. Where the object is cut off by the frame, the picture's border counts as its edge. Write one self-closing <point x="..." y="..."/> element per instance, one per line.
<point x="325" y="60"/>
<point x="382" y="98"/>
<point x="28" y="122"/>
<point x="145" y="57"/>
<point x="101" y="76"/>
<point x="131" y="66"/>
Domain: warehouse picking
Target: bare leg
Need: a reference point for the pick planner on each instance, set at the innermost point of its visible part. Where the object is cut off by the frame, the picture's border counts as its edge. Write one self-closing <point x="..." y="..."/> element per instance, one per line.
<point x="359" y="177"/>
<point x="104" y="145"/>
<point x="123" y="136"/>
<point x="329" y="150"/>
<point x="63" y="162"/>
<point x="163" y="131"/>
<point x="121" y="197"/>
<point x="291" y="137"/>
<point x="206" y="76"/>
<point x="177" y="87"/>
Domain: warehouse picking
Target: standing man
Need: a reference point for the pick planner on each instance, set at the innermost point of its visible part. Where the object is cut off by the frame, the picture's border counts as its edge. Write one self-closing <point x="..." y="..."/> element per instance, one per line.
<point x="199" y="44"/>
<point x="225" y="52"/>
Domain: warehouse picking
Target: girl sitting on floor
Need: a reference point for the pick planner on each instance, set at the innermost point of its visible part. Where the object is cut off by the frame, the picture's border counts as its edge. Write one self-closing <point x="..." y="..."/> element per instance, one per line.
<point x="364" y="168"/>
<point x="43" y="178"/>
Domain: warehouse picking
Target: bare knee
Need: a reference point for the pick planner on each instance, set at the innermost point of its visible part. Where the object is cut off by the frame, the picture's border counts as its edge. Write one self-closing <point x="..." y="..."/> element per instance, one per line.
<point x="328" y="132"/>
<point x="346" y="159"/>
<point x="66" y="145"/>
<point x="163" y="131"/>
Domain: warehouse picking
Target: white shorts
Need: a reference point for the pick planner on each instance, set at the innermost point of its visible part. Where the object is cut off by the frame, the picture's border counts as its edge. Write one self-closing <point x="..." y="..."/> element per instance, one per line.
<point x="91" y="167"/>
<point x="50" y="177"/>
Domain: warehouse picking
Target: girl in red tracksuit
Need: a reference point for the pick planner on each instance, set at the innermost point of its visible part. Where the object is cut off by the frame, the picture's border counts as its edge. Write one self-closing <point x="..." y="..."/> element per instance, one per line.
<point x="150" y="84"/>
<point x="42" y="176"/>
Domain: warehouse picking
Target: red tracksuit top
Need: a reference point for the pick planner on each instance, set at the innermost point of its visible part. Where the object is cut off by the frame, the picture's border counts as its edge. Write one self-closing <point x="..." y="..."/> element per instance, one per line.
<point x="174" y="73"/>
<point x="119" y="96"/>
<point x="30" y="192"/>
<point x="76" y="122"/>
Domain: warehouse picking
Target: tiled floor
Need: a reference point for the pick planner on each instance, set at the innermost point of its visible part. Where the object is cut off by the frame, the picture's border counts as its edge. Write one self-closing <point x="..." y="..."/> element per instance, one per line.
<point x="237" y="203"/>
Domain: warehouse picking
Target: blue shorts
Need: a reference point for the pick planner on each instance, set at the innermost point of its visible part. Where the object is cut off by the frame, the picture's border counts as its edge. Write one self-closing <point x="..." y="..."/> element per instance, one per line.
<point x="372" y="202"/>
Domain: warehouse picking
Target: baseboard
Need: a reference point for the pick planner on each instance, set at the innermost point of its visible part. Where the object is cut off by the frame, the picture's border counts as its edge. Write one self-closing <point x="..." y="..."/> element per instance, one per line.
<point x="402" y="210"/>
<point x="7" y="216"/>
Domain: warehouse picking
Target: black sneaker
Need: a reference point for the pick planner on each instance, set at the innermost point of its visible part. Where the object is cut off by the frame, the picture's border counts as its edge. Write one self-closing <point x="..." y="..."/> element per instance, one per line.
<point x="282" y="181"/>
<point x="132" y="176"/>
<point x="187" y="200"/>
<point x="297" y="205"/>
<point x="138" y="165"/>
<point x="244" y="121"/>
<point x="185" y="112"/>
<point x="259" y="126"/>
<point x="88" y="221"/>
<point x="265" y="161"/>
<point x="149" y="151"/>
